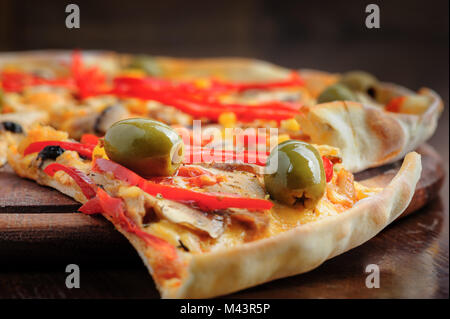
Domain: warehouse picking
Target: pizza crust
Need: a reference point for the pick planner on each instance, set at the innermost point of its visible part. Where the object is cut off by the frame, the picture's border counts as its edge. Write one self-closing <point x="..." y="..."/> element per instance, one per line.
<point x="367" y="135"/>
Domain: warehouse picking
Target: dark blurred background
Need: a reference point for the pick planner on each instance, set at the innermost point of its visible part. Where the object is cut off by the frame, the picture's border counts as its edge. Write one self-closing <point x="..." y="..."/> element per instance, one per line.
<point x="410" y="48"/>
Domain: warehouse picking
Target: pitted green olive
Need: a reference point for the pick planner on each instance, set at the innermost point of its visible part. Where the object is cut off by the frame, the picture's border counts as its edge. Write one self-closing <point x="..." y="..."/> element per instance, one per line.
<point x="336" y="92"/>
<point x="359" y="81"/>
<point x="294" y="174"/>
<point x="150" y="148"/>
<point x="146" y="63"/>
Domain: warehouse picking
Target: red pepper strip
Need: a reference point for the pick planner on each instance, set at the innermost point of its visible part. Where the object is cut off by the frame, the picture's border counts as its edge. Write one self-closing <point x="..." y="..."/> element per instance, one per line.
<point x="293" y="80"/>
<point x="207" y="201"/>
<point x="91" y="207"/>
<point x="119" y="172"/>
<point x="192" y="171"/>
<point x="328" y="167"/>
<point x="15" y="81"/>
<point x="395" y="104"/>
<point x="114" y="208"/>
<point x="205" y="109"/>
<point x="89" y="139"/>
<point x="82" y="149"/>
<point x="89" y="81"/>
<point x="82" y="180"/>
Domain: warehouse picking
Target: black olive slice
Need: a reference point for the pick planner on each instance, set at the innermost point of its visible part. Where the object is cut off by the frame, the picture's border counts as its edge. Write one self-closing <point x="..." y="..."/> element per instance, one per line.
<point x="12" y="127"/>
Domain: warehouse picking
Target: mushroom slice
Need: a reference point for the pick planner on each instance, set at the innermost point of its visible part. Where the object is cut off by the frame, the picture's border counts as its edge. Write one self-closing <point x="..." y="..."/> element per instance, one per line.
<point x="179" y="213"/>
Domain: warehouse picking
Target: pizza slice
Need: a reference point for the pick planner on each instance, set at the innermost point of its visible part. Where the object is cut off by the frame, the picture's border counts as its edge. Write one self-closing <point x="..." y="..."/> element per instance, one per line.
<point x="208" y="228"/>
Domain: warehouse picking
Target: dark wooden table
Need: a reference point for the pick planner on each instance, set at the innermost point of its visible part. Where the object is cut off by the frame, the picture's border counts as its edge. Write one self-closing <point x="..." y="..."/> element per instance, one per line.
<point x="35" y="247"/>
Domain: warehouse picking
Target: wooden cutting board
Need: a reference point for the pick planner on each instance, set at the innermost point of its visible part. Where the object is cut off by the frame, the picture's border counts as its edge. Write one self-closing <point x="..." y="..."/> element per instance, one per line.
<point x="41" y="225"/>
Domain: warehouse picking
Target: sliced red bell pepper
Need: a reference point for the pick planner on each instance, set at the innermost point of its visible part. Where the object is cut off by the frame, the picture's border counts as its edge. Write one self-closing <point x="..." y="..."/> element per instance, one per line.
<point x="203" y="108"/>
<point x="293" y="80"/>
<point x="89" y="139"/>
<point x="207" y="201"/>
<point x="328" y="167"/>
<point x="82" y="180"/>
<point x="395" y="104"/>
<point x="91" y="207"/>
<point x="16" y="81"/>
<point x="89" y="81"/>
<point x="82" y="149"/>
<point x="119" y="172"/>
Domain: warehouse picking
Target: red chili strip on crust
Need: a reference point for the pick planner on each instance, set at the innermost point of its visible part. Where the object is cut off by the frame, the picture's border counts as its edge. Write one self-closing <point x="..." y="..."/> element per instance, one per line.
<point x="82" y="149"/>
<point x="82" y="180"/>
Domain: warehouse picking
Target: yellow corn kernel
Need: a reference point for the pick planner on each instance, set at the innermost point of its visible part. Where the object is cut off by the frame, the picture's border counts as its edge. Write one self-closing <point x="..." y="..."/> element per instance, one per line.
<point x="282" y="138"/>
<point x="202" y="83"/>
<point x="227" y="119"/>
<point x="290" y="125"/>
<point x="99" y="152"/>
<point x="132" y="191"/>
<point x="137" y="107"/>
<point x="135" y="73"/>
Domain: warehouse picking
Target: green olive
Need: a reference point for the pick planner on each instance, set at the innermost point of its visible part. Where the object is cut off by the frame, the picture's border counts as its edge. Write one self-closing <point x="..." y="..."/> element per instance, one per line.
<point x="294" y="173"/>
<point x="336" y="92"/>
<point x="359" y="81"/>
<point x="146" y="63"/>
<point x="150" y="148"/>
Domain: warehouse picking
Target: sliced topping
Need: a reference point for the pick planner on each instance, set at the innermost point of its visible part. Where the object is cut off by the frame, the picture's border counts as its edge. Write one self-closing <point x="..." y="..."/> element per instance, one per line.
<point x="12" y="127"/>
<point x="328" y="167"/>
<point x="146" y="63"/>
<point x="350" y="87"/>
<point x="336" y="92"/>
<point x="295" y="174"/>
<point x="50" y="152"/>
<point x="205" y="201"/>
<point x="343" y="192"/>
<point x="179" y="213"/>
<point x="166" y="264"/>
<point x="16" y="81"/>
<point x="1" y="100"/>
<point x="410" y="104"/>
<point x="148" y="147"/>
<point x="89" y="139"/>
<point x="108" y="117"/>
<point x="196" y="176"/>
<point x="82" y="180"/>
<point x="360" y="81"/>
<point x="293" y="80"/>
<point x="82" y="149"/>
